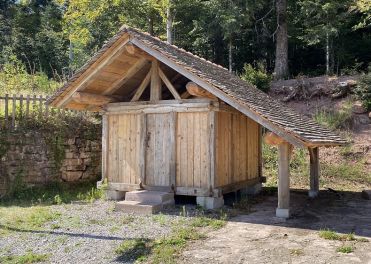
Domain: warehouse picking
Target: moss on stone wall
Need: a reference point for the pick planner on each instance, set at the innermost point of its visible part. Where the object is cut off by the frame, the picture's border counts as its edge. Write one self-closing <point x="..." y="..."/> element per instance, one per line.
<point x="57" y="149"/>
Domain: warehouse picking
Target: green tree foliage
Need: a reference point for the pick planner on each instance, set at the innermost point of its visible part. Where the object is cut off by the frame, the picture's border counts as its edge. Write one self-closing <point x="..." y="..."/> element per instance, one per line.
<point x="364" y="90"/>
<point x="257" y="77"/>
<point x="53" y="37"/>
<point x="363" y="7"/>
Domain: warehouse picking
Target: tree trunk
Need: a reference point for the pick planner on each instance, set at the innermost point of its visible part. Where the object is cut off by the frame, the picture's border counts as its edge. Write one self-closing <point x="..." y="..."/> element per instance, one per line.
<point x="281" y="67"/>
<point x="150" y="25"/>
<point x="70" y="57"/>
<point x="230" y="55"/>
<point x="169" y="26"/>
<point x="327" y="54"/>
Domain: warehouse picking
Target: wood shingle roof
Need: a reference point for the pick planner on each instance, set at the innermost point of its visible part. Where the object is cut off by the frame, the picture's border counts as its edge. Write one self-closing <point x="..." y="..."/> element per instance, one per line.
<point x="297" y="129"/>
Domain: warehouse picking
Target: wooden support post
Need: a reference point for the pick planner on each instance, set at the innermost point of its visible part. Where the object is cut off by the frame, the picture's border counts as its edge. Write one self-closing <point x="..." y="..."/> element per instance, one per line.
<point x="314" y="172"/>
<point x="105" y="150"/>
<point x="155" y="82"/>
<point x="283" y="180"/>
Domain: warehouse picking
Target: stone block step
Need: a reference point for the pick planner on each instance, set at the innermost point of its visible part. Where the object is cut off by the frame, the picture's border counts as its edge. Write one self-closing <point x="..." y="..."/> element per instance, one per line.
<point x="135" y="207"/>
<point x="145" y="196"/>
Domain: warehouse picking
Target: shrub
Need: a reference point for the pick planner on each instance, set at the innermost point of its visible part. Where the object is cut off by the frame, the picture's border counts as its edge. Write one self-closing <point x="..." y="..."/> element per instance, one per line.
<point x="14" y="78"/>
<point x="257" y="77"/>
<point x="363" y="90"/>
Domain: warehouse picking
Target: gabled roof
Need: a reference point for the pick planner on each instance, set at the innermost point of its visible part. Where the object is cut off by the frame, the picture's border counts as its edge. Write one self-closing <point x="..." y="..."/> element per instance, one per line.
<point x="285" y="122"/>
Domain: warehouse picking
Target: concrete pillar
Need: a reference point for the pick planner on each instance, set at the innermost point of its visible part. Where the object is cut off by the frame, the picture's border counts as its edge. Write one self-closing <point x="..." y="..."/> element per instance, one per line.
<point x="314" y="172"/>
<point x="283" y="180"/>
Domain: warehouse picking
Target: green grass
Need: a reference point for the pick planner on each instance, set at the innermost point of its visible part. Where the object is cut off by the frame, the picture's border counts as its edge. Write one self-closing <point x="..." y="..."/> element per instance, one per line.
<point x="332" y="235"/>
<point x="204" y="221"/>
<point x="29" y="257"/>
<point x="137" y="249"/>
<point x="166" y="249"/>
<point x="345" y="249"/>
<point x="336" y="119"/>
<point x="159" y="218"/>
<point x="351" y="171"/>
<point x="33" y="217"/>
<point x="53" y="193"/>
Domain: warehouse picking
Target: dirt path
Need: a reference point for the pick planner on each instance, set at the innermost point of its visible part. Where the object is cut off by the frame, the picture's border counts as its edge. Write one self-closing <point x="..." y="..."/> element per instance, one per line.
<point x="261" y="238"/>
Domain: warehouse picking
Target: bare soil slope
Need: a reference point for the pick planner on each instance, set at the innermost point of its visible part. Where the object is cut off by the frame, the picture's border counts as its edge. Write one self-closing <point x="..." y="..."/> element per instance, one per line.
<point x="344" y="112"/>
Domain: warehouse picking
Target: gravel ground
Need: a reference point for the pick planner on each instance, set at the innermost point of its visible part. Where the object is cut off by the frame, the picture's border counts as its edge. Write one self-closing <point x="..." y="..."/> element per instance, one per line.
<point x="90" y="232"/>
<point x="87" y="233"/>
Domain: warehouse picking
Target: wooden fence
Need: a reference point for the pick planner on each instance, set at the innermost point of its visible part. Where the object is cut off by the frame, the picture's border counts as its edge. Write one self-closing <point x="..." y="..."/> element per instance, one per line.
<point x="15" y="108"/>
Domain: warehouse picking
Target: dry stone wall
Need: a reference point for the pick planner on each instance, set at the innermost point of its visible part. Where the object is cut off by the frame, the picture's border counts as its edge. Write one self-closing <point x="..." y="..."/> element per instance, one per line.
<point x="36" y="158"/>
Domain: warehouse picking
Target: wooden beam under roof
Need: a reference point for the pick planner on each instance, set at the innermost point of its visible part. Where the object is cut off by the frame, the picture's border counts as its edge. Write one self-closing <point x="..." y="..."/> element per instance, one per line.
<point x="129" y="74"/>
<point x="196" y="90"/>
<point x="94" y="69"/>
<point x="92" y="99"/>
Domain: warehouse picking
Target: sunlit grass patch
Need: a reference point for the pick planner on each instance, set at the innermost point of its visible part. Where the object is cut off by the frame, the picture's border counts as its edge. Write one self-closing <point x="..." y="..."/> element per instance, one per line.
<point x="336" y="119"/>
<point x="27" y="258"/>
<point x="203" y="221"/>
<point x="54" y="193"/>
<point x="165" y="249"/>
<point x="345" y="249"/>
<point x="32" y="217"/>
<point x="159" y="218"/>
<point x="332" y="235"/>
<point x="346" y="171"/>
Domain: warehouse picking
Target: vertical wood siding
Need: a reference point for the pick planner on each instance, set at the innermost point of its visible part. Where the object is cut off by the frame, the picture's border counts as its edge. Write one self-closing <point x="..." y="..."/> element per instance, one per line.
<point x="123" y="153"/>
<point x="159" y="149"/>
<point x="237" y="148"/>
<point x="192" y="159"/>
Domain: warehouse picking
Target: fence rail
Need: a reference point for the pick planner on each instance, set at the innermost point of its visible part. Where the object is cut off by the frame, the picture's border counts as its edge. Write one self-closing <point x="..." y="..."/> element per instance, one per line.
<point x="20" y="107"/>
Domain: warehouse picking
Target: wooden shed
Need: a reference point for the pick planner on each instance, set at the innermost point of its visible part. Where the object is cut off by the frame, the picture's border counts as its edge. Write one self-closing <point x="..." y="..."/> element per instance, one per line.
<point x="176" y="123"/>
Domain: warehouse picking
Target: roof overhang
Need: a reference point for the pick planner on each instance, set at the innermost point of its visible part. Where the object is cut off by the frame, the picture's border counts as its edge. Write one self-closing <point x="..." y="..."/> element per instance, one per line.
<point x="108" y="54"/>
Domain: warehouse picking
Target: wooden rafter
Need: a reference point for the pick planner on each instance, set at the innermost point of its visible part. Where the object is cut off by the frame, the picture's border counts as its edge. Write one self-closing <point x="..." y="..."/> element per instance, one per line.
<point x="142" y="87"/>
<point x="169" y="84"/>
<point x="92" y="71"/>
<point x="130" y="73"/>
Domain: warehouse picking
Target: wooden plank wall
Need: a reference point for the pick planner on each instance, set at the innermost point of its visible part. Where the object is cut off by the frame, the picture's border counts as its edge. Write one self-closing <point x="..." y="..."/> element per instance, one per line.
<point x="237" y="148"/>
<point x="123" y="149"/>
<point x="193" y="156"/>
<point x="160" y="149"/>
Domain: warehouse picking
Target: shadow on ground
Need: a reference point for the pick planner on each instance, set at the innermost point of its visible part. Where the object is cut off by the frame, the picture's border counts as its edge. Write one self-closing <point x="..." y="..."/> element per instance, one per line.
<point x="343" y="212"/>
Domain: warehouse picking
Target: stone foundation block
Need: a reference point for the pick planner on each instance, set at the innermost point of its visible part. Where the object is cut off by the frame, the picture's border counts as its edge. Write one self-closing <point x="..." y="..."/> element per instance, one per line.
<point x="282" y="213"/>
<point x="115" y="195"/>
<point x="210" y="202"/>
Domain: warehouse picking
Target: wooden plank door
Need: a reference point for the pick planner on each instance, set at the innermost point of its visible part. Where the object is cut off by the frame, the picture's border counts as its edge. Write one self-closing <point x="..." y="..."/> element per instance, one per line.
<point x="160" y="150"/>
